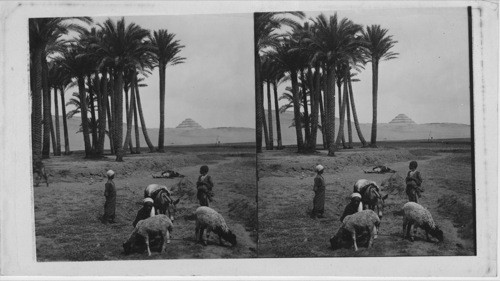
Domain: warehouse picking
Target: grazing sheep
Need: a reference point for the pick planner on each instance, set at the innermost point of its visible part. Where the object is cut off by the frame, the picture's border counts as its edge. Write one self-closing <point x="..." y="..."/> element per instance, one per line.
<point x="207" y="218"/>
<point x="150" y="227"/>
<point x="417" y="216"/>
<point x="354" y="226"/>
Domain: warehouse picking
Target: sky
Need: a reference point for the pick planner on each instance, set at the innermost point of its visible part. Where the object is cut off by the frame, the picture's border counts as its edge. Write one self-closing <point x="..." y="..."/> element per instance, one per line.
<point x="429" y="81"/>
<point x="215" y="86"/>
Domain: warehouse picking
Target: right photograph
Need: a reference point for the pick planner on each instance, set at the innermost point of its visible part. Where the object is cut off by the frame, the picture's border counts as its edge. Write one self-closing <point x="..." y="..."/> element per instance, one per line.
<point x="364" y="132"/>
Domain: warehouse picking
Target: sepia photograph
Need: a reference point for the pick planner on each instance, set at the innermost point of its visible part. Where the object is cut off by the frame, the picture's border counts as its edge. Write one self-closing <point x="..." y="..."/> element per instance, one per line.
<point x="143" y="139"/>
<point x="366" y="126"/>
<point x="232" y="140"/>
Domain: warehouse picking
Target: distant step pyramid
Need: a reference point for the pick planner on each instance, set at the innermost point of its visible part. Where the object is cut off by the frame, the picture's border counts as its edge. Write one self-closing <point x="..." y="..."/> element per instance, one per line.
<point x="189" y="124"/>
<point x="402" y="119"/>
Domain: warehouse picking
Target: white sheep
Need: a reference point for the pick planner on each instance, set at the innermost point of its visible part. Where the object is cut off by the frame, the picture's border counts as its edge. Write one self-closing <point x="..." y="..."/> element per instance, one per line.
<point x="207" y="218"/>
<point x="354" y="226"/>
<point x="150" y="227"/>
<point x="417" y="216"/>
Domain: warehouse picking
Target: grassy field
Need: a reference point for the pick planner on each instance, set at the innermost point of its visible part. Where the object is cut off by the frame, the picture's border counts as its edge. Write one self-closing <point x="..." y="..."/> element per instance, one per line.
<point x="66" y="213"/>
<point x="285" y="199"/>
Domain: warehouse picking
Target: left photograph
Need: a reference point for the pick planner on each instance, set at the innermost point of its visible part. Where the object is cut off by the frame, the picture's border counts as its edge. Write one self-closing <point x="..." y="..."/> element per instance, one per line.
<point x="143" y="137"/>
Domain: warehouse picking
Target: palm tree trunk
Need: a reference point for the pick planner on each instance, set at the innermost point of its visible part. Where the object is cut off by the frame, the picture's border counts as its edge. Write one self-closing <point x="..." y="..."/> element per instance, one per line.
<point x="118" y="116"/>
<point x="349" y="125"/>
<point x="258" y="83"/>
<point x="330" y="112"/>
<point x="342" y="110"/>
<point x="161" y="135"/>
<point x="58" y="130"/>
<point x="323" y="121"/>
<point x="92" y="114"/>
<point x="296" y="111"/>
<point x="36" y="108"/>
<point x="340" y="135"/>
<point x="102" y="98"/>
<point x="277" y="111"/>
<point x="52" y="133"/>
<point x="264" y="125"/>
<point x="83" y="110"/>
<point x="354" y="114"/>
<point x="46" y="109"/>
<point x="270" y="116"/>
<point x="307" y="130"/>
<point x="128" y="138"/>
<point x="65" y="123"/>
<point x="141" y="117"/>
<point x="314" y="111"/>
<point x="373" y="141"/>
<point x="136" y="129"/>
<point x="128" y="112"/>
<point x="111" y="111"/>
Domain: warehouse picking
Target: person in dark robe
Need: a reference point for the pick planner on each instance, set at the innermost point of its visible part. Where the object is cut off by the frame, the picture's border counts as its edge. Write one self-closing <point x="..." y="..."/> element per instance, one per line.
<point x="354" y="206"/>
<point x="147" y="210"/>
<point x="204" y="185"/>
<point x="110" y="195"/>
<point x="413" y="183"/>
<point x="319" y="194"/>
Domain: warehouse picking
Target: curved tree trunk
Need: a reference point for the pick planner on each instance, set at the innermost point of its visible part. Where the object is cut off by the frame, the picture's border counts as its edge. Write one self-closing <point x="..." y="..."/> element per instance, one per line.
<point x="136" y="128"/>
<point x="93" y="129"/>
<point x="296" y="111"/>
<point x="52" y="133"/>
<point x="118" y="116"/>
<point x="111" y="111"/>
<point x="161" y="135"/>
<point x="102" y="98"/>
<point x="342" y="111"/>
<point x="277" y="111"/>
<point x="128" y="112"/>
<point x="128" y="138"/>
<point x="46" y="108"/>
<point x="373" y="140"/>
<point x="65" y="123"/>
<point x="324" y="121"/>
<point x="354" y="114"/>
<point x="307" y="130"/>
<point x="36" y="108"/>
<point x="270" y="116"/>
<point x="56" y="117"/>
<point x="330" y="112"/>
<point x="315" y="98"/>
<point x="258" y="83"/>
<point x="340" y="135"/>
<point x="111" y="127"/>
<point x="83" y="110"/>
<point x="347" y="101"/>
<point x="141" y="117"/>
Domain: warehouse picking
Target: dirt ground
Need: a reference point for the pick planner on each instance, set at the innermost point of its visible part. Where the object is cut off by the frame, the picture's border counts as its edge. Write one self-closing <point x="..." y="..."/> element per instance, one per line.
<point x="67" y="212"/>
<point x="285" y="199"/>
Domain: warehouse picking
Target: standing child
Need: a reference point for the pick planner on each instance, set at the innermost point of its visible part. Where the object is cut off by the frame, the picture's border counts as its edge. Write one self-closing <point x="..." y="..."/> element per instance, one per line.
<point x="110" y="194"/>
<point x="319" y="194"/>
<point x="413" y="183"/>
<point x="204" y="186"/>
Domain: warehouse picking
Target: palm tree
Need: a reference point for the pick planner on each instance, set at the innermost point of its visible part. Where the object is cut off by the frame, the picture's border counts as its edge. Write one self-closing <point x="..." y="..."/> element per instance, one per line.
<point x="121" y="46"/>
<point x="165" y="52"/>
<point x="77" y="65"/>
<point x="354" y="114"/>
<point x="377" y="46"/>
<point x="331" y="42"/>
<point x="44" y="33"/>
<point x="141" y="116"/>
<point x="286" y="56"/>
<point x="265" y="25"/>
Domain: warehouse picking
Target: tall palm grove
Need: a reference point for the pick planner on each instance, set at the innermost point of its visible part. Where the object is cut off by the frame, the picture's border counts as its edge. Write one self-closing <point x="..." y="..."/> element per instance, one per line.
<point x="318" y="58"/>
<point x="106" y="63"/>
